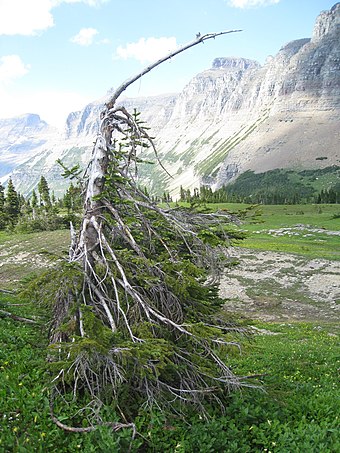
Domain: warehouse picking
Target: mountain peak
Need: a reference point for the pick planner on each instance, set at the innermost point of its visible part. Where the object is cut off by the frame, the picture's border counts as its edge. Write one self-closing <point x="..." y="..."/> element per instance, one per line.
<point x="327" y="22"/>
<point x="235" y="116"/>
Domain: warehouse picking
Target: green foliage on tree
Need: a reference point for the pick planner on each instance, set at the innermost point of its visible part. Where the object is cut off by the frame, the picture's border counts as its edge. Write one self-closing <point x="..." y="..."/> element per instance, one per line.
<point x="12" y="203"/>
<point x="34" y="199"/>
<point x="72" y="200"/>
<point x="3" y="217"/>
<point x="29" y="214"/>
<point x="2" y="198"/>
<point x="136" y="313"/>
<point x="44" y="193"/>
<point x="277" y="186"/>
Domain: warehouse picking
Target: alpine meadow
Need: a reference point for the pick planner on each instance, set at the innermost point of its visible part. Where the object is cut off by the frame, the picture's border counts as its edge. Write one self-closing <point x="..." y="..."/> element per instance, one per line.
<point x="170" y="264"/>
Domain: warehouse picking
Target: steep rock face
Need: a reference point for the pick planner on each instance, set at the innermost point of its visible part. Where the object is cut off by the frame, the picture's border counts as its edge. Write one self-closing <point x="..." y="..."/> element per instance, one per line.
<point x="211" y="91"/>
<point x="75" y="144"/>
<point x="235" y="116"/>
<point x="20" y="137"/>
<point x="85" y="123"/>
<point x="327" y="22"/>
<point x="301" y="89"/>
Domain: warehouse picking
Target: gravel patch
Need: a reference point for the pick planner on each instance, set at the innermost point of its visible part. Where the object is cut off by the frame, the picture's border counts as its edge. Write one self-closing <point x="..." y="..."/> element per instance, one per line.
<point x="280" y="286"/>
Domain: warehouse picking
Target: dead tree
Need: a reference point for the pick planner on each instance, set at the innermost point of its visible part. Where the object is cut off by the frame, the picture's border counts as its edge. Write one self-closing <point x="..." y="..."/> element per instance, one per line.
<point x="135" y="312"/>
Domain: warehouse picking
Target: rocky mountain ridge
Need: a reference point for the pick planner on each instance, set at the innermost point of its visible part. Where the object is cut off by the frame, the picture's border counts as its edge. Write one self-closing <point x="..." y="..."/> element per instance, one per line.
<point x="235" y="116"/>
<point x="20" y="137"/>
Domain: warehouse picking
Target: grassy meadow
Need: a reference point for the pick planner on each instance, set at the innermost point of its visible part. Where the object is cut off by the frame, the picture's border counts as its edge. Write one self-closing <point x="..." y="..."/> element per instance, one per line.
<point x="295" y="409"/>
<point x="295" y="225"/>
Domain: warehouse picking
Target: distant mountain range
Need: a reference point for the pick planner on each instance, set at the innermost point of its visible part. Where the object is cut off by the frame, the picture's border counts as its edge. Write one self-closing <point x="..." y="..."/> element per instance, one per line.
<point x="233" y="117"/>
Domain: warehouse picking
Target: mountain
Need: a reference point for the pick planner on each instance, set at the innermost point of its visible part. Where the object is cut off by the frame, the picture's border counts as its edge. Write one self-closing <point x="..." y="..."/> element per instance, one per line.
<point x="20" y="137"/>
<point x="235" y="116"/>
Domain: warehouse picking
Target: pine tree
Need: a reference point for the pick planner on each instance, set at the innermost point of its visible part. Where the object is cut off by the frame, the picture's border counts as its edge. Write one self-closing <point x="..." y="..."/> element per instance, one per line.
<point x="72" y="200"/>
<point x="44" y="193"/>
<point x="12" y="203"/>
<point x="3" y="217"/>
<point x="34" y="199"/>
<point x="2" y="198"/>
<point x="182" y="194"/>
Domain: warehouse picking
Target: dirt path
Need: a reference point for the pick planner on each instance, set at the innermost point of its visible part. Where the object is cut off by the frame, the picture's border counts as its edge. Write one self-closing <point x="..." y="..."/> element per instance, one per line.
<point x="280" y="286"/>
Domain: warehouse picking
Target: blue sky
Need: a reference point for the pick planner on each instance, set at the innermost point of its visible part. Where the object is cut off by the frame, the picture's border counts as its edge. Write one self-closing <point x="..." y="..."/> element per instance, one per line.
<point x="58" y="55"/>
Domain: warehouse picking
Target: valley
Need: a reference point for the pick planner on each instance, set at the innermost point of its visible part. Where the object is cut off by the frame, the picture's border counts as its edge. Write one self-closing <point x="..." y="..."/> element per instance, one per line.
<point x="134" y="344"/>
<point x="234" y="117"/>
<point x="287" y="271"/>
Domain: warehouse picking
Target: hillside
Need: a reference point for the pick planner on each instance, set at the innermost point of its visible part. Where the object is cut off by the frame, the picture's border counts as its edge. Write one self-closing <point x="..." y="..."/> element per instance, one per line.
<point x="235" y="116"/>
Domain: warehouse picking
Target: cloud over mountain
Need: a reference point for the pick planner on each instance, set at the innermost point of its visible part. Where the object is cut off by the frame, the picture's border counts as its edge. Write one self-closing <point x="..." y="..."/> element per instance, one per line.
<point x="147" y="49"/>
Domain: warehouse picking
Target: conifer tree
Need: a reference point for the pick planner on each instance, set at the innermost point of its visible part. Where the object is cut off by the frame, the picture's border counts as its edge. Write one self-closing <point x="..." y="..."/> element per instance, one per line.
<point x="12" y="203"/>
<point x="34" y="199"/>
<point x="135" y="314"/>
<point x="2" y="207"/>
<point x="44" y="193"/>
<point x="2" y="198"/>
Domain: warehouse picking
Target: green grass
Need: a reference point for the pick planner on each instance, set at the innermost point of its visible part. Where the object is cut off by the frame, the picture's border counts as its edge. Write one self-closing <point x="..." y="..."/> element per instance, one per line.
<point x="274" y="217"/>
<point x="25" y="424"/>
<point x="278" y="216"/>
<point x="296" y="411"/>
<point x="317" y="246"/>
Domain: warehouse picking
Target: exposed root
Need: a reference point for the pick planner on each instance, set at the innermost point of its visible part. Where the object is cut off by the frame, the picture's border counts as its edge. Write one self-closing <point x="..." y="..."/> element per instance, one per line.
<point x="115" y="426"/>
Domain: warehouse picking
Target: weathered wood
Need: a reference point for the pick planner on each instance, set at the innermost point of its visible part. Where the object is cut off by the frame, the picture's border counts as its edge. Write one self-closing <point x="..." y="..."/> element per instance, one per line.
<point x="199" y="39"/>
<point x="108" y="284"/>
<point x="7" y="314"/>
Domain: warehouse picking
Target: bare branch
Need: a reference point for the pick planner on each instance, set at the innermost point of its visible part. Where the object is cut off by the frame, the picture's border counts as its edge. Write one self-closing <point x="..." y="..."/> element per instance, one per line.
<point x="7" y="314"/>
<point x="130" y="81"/>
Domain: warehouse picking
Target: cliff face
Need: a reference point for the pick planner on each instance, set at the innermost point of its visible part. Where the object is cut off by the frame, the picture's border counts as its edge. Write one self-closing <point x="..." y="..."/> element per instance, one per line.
<point x="20" y="137"/>
<point x="236" y="116"/>
<point x="282" y="115"/>
<point x="300" y="88"/>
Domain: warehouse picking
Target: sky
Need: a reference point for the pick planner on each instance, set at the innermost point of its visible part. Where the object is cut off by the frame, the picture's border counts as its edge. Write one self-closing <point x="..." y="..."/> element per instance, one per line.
<point x="58" y="55"/>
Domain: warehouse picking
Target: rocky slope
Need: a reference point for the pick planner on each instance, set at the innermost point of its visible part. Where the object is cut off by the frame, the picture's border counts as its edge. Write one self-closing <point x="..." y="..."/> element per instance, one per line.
<point x="236" y="116"/>
<point x="20" y="137"/>
<point x="275" y="286"/>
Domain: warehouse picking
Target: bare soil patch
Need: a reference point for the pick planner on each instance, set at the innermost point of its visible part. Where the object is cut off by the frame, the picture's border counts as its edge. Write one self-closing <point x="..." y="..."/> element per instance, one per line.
<point x="275" y="286"/>
<point x="30" y="254"/>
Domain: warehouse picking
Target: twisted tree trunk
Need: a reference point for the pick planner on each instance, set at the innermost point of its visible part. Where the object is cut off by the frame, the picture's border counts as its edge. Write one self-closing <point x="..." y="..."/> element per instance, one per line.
<point x="136" y="303"/>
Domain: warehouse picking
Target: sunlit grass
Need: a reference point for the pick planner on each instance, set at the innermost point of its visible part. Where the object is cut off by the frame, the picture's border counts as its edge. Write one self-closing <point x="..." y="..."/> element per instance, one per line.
<point x="296" y="410"/>
<point x="303" y="242"/>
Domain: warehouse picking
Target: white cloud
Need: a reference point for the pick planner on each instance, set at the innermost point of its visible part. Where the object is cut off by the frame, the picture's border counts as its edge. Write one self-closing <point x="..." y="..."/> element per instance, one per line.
<point x="52" y="106"/>
<point x="12" y="67"/>
<point x="87" y="2"/>
<point x="243" y="4"/>
<point x="105" y="41"/>
<point x="85" y="36"/>
<point x="28" y="17"/>
<point x="147" y="49"/>
<point x="25" y="17"/>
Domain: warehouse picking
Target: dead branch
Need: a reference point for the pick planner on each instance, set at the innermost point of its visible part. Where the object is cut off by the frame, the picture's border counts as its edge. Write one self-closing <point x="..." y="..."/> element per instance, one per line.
<point x="115" y="426"/>
<point x="200" y="39"/>
<point x="7" y="314"/>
